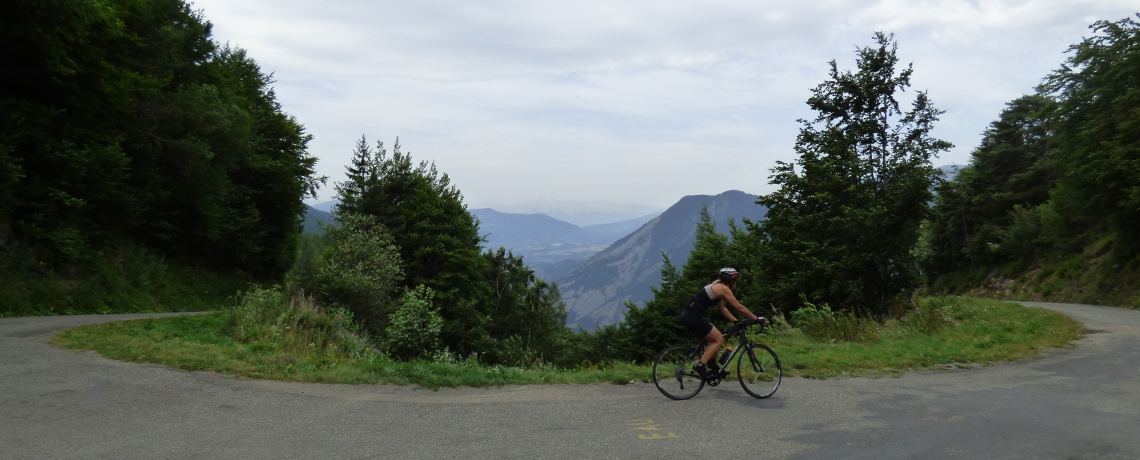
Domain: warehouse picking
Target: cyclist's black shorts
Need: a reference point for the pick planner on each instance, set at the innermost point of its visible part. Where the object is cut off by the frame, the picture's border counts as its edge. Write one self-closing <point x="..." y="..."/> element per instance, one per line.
<point x="696" y="322"/>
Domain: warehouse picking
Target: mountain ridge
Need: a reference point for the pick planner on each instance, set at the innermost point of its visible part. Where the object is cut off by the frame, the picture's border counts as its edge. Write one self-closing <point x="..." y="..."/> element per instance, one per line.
<point x="580" y="213"/>
<point x="551" y="247"/>
<point x="595" y="292"/>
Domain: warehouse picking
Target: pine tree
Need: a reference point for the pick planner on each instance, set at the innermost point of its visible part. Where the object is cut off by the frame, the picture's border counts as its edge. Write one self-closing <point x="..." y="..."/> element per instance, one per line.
<point x="437" y="238"/>
<point x="1097" y="131"/>
<point x="1013" y="167"/>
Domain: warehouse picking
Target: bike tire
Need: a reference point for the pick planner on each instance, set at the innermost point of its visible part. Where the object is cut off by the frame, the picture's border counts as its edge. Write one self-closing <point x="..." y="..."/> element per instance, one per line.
<point x="759" y="371"/>
<point x="673" y="372"/>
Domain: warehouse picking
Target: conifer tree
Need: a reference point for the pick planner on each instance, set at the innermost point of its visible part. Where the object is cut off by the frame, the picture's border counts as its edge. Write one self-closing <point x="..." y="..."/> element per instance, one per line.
<point x="1097" y="131"/>
<point x="437" y="238"/>
<point x="1012" y="167"/>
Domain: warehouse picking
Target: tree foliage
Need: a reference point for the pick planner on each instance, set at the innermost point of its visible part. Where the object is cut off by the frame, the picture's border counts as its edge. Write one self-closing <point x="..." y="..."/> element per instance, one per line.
<point x="1058" y="171"/>
<point x="841" y="227"/>
<point x="1013" y="167"/>
<point x="360" y="270"/>
<point x="524" y="307"/>
<point x="1096" y="125"/>
<point x="124" y="119"/>
<point x="438" y="239"/>
<point x="413" y="331"/>
<point x="490" y="301"/>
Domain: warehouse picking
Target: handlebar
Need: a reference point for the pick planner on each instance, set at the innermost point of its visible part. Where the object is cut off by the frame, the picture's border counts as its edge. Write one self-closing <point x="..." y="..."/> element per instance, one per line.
<point x="739" y="327"/>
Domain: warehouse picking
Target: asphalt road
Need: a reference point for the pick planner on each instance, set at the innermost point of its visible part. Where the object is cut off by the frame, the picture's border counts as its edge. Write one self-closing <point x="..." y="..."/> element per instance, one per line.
<point x="1076" y="403"/>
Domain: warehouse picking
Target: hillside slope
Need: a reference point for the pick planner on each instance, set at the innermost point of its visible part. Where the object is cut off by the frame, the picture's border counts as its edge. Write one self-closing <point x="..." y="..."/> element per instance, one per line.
<point x="314" y="217"/>
<point x="595" y="292"/>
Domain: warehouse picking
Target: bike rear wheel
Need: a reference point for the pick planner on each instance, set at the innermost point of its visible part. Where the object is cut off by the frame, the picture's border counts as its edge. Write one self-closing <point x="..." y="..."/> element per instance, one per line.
<point x="759" y="371"/>
<point x="673" y="372"/>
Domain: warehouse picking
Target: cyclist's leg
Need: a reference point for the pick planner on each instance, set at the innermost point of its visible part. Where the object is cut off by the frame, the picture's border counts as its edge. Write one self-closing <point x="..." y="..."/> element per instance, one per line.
<point x="715" y="340"/>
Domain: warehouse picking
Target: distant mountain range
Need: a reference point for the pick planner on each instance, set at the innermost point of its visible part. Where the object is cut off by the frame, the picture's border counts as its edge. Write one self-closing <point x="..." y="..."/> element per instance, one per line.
<point x="326" y="206"/>
<point x="580" y="213"/>
<point x="596" y="291"/>
<point x="550" y="246"/>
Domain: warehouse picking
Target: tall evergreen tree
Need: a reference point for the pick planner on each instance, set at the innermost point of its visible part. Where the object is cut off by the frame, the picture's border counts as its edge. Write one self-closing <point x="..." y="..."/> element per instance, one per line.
<point x="437" y="238"/>
<point x="842" y="225"/>
<point x="1012" y="167"/>
<point x="1097" y="130"/>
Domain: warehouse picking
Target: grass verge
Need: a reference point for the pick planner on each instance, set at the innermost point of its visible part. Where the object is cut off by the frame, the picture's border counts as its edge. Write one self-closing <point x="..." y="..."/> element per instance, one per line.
<point x="977" y="331"/>
<point x="1091" y="276"/>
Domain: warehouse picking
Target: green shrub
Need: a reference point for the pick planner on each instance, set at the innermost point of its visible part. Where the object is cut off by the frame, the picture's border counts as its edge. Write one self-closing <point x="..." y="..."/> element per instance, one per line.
<point x="361" y="270"/>
<point x="823" y="323"/>
<point x="514" y="352"/>
<point x="932" y="315"/>
<point x="295" y="325"/>
<point x="413" y="330"/>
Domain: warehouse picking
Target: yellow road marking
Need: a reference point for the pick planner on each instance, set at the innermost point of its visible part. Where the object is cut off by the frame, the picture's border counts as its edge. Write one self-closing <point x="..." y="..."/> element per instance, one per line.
<point x="642" y="424"/>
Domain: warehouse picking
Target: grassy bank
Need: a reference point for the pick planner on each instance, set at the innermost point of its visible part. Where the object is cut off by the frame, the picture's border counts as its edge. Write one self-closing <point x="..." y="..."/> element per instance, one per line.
<point x="126" y="279"/>
<point x="974" y="331"/>
<point x="1091" y="276"/>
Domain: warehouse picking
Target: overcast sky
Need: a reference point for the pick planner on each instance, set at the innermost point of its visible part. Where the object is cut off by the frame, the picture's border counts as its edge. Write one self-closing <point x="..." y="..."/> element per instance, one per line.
<point x="628" y="101"/>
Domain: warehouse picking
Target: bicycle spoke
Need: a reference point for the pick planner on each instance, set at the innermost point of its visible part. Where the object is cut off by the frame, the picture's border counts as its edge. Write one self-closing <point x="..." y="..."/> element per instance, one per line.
<point x="762" y="376"/>
<point x="670" y="375"/>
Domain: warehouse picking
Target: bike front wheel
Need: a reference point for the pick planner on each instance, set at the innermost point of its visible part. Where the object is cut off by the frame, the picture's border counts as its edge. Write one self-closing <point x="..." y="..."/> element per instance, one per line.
<point x="673" y="372"/>
<point x="759" y="371"/>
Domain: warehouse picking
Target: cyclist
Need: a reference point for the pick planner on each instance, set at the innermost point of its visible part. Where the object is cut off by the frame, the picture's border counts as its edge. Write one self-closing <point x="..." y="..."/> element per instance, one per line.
<point x="693" y="315"/>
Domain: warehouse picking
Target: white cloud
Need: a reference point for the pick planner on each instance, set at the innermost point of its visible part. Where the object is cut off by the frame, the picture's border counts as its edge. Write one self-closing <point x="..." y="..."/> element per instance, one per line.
<point x="645" y="101"/>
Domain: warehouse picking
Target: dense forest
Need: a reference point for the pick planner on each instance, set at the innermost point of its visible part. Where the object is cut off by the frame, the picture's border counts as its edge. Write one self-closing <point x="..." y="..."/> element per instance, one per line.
<point x="1049" y="206"/>
<point x="129" y="138"/>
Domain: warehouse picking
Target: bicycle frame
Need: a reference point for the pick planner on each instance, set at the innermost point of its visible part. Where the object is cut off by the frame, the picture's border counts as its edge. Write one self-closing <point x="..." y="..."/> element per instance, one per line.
<point x="741" y="344"/>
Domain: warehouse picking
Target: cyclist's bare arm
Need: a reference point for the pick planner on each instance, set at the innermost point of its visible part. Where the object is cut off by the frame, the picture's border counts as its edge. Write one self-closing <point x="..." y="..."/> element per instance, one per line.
<point x="726" y="294"/>
<point x="724" y="311"/>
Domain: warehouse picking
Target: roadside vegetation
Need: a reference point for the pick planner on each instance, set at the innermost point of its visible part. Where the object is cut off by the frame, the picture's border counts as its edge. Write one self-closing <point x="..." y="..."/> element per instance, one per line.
<point x="1047" y="209"/>
<point x="124" y="279"/>
<point x="272" y="337"/>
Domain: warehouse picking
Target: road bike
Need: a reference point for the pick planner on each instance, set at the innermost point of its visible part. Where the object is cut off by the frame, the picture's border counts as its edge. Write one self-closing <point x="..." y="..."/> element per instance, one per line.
<point x="757" y="366"/>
